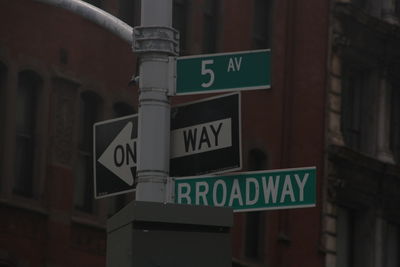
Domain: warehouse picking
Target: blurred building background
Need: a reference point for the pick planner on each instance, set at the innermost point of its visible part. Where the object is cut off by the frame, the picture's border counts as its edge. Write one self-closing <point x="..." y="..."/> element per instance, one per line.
<point x="334" y="104"/>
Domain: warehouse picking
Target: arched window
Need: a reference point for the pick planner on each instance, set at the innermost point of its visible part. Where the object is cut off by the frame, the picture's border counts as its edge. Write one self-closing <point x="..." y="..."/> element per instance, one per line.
<point x="29" y="85"/>
<point x="83" y="193"/>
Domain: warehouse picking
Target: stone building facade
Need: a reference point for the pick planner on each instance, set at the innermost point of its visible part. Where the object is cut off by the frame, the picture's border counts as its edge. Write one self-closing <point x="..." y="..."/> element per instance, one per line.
<point x="362" y="208"/>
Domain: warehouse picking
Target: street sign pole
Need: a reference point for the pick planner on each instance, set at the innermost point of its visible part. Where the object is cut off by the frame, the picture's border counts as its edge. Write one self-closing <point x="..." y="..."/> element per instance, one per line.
<point x="154" y="41"/>
<point x="128" y="244"/>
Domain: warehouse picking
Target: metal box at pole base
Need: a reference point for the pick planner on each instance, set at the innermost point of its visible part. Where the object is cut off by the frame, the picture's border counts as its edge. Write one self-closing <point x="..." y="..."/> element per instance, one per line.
<point x="149" y="234"/>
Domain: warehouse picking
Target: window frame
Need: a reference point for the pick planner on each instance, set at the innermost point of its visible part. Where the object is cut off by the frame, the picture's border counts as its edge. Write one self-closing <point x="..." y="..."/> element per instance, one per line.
<point x="255" y="226"/>
<point x="3" y="114"/>
<point x="394" y="139"/>
<point x="36" y="84"/>
<point x="83" y="199"/>
<point x="360" y="88"/>
<point x="129" y="11"/>
<point x="181" y="7"/>
<point x="262" y="36"/>
<point x="211" y="15"/>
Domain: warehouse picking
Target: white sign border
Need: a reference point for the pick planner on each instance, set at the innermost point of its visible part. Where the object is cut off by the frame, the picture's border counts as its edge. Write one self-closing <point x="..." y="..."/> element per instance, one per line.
<point x="95" y="160"/>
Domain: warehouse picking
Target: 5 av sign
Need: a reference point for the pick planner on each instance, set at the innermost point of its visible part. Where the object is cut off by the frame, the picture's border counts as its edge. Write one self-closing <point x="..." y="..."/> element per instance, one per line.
<point x="223" y="72"/>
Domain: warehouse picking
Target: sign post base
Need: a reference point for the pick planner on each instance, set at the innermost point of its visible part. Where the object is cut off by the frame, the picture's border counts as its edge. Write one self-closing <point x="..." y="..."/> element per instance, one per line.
<point x="149" y="234"/>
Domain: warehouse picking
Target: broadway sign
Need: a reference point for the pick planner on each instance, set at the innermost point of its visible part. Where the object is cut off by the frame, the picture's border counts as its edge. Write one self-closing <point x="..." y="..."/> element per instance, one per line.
<point x="250" y="191"/>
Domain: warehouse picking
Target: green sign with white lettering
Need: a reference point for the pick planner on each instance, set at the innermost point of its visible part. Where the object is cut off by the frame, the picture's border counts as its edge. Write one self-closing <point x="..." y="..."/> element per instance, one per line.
<point x="246" y="70"/>
<point x="250" y="191"/>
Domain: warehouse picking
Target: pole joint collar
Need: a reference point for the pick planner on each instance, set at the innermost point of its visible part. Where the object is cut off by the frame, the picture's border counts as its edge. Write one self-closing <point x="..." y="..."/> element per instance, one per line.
<point x="155" y="39"/>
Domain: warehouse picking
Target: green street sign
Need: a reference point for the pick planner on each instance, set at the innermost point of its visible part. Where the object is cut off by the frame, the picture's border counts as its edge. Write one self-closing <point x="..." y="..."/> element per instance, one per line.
<point x="250" y="191"/>
<point x="246" y="70"/>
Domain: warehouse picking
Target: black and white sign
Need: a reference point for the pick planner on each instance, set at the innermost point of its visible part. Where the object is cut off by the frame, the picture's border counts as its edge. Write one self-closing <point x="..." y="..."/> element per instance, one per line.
<point x="115" y="143"/>
<point x="205" y="136"/>
<point x="205" y="139"/>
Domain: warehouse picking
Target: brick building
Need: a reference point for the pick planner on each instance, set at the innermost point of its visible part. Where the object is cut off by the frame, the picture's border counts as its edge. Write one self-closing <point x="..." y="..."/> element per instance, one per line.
<point x="333" y="104"/>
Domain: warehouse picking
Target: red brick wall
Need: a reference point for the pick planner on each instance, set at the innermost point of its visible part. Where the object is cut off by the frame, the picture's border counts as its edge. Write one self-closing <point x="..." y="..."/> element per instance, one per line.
<point x="286" y="121"/>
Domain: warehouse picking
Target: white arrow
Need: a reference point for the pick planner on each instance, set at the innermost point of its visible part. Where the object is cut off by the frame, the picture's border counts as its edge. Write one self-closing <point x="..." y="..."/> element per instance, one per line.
<point x="120" y="155"/>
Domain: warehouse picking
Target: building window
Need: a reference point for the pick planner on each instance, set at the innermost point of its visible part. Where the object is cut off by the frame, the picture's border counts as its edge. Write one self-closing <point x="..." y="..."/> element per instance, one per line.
<point x="355" y="238"/>
<point x="179" y="21"/>
<point x="255" y="235"/>
<point x="84" y="187"/>
<point x="395" y="124"/>
<point x="357" y="109"/>
<point x="262" y="24"/>
<point x="129" y="12"/>
<point x="397" y="7"/>
<point x="122" y="109"/>
<point x="96" y="3"/>
<point x="255" y="221"/>
<point x="257" y="160"/>
<point x="29" y="85"/>
<point x="344" y="238"/>
<point x="3" y="84"/>
<point x="391" y="246"/>
<point x="3" y="77"/>
<point x="211" y="12"/>
<point x="351" y="110"/>
<point x="118" y="202"/>
<point x="360" y="3"/>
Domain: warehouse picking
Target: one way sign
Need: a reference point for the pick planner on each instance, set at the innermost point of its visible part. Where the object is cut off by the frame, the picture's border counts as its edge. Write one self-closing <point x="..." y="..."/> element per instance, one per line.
<point x="205" y="136"/>
<point x="115" y="156"/>
<point x="205" y="139"/>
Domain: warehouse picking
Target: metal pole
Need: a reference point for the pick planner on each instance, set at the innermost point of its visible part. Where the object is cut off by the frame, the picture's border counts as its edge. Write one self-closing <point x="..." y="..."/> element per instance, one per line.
<point x="94" y="14"/>
<point x="155" y="41"/>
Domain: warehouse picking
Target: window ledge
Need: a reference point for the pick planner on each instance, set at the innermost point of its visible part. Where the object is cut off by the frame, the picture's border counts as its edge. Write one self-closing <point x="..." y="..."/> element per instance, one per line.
<point x="24" y="205"/>
<point x="381" y="25"/>
<point x="340" y="153"/>
<point x="91" y="221"/>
